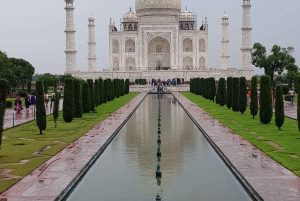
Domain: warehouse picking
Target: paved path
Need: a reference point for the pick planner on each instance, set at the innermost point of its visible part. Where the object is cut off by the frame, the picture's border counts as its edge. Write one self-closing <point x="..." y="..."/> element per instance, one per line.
<point x="11" y="118"/>
<point x="50" y="179"/>
<point x="289" y="110"/>
<point x="271" y="180"/>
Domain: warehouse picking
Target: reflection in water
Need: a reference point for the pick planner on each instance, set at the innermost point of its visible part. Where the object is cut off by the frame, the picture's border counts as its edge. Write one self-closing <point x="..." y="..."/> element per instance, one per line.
<point x="191" y="168"/>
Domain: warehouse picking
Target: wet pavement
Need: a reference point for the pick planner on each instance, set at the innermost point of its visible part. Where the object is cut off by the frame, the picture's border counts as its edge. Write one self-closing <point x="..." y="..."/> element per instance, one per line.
<point x="290" y="110"/>
<point x="11" y="118"/>
<point x="50" y="179"/>
<point x="271" y="180"/>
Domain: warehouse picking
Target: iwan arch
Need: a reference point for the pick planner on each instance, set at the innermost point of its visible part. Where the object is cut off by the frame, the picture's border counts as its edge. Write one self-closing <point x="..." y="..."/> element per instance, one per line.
<point x="162" y="41"/>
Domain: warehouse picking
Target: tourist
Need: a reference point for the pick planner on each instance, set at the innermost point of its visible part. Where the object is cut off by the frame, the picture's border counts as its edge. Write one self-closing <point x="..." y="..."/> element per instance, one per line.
<point x="32" y="99"/>
<point x="18" y="104"/>
<point x="52" y="99"/>
<point x="291" y="92"/>
<point x="46" y="99"/>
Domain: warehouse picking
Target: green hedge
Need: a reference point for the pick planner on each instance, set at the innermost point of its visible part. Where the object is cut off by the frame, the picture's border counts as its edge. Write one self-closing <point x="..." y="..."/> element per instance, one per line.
<point x="85" y="97"/>
<point x="254" y="99"/>
<point x="279" y="107"/>
<point x="265" y="101"/>
<point x="92" y="94"/>
<point x="68" y="106"/>
<point x="243" y="95"/>
<point x="77" y="98"/>
<point x="222" y="91"/>
<point x="229" y="94"/>
<point x="3" y="92"/>
<point x="235" y="94"/>
<point x="40" y="107"/>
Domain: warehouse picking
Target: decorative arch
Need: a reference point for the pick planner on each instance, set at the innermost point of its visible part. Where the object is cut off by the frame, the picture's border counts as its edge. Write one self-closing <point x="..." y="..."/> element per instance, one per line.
<point x="129" y="45"/>
<point x="202" y="45"/>
<point x="115" y="46"/>
<point x="159" y="56"/>
<point x="116" y="64"/>
<point x="130" y="63"/>
<point x="187" y="45"/>
<point x="202" y="62"/>
<point x="187" y="63"/>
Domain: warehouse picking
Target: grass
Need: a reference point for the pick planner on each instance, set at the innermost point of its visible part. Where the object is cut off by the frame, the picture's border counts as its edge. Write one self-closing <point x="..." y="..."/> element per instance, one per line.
<point x="21" y="142"/>
<point x="257" y="133"/>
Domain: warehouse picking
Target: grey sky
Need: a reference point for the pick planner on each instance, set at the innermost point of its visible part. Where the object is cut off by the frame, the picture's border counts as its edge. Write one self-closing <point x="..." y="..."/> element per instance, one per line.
<point x="34" y="29"/>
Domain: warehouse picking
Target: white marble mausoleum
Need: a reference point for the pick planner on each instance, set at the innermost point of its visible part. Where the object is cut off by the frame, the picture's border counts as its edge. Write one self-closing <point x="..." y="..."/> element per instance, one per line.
<point x="159" y="40"/>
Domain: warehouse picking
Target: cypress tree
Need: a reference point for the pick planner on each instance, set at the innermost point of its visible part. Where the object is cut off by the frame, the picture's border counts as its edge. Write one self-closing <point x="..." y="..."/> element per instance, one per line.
<point x="77" y="98"/>
<point x="96" y="92"/>
<point x="212" y="89"/>
<point x="112" y="90"/>
<point x="254" y="100"/>
<point x="55" y="109"/>
<point x="235" y="93"/>
<point x="40" y="107"/>
<point x="127" y="83"/>
<point x="243" y="95"/>
<point x="68" y="105"/>
<point x="122" y="87"/>
<point x="279" y="107"/>
<point x="217" y="96"/>
<point x="3" y="92"/>
<point x="229" y="94"/>
<point x="298" y="101"/>
<point x="191" y="85"/>
<point x="85" y="97"/>
<point x="29" y="87"/>
<point x="265" y="101"/>
<point x="100" y="83"/>
<point x="222" y="91"/>
<point x="92" y="94"/>
<point x="202" y="85"/>
<point x="105" y="88"/>
<point x="117" y="86"/>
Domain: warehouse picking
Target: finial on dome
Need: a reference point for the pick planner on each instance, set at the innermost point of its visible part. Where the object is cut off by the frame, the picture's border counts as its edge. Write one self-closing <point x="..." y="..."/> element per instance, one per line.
<point x="130" y="8"/>
<point x="186" y="8"/>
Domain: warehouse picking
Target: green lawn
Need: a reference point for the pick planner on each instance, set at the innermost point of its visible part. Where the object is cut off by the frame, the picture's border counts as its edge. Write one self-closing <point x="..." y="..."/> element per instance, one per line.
<point x="258" y="134"/>
<point x="21" y="142"/>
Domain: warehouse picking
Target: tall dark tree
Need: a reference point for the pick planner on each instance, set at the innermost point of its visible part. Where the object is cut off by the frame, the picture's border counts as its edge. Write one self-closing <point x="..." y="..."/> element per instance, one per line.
<point x="243" y="95"/>
<point x="236" y="94"/>
<point x="40" y="107"/>
<point x="92" y="94"/>
<point x="254" y="99"/>
<point x="229" y="94"/>
<point x="100" y="83"/>
<point x="222" y="91"/>
<point x="202" y="86"/>
<point x="3" y="92"/>
<point x="105" y="90"/>
<point x="68" y="105"/>
<point x="212" y="89"/>
<point x="29" y="87"/>
<point x="77" y="98"/>
<point x="265" y="102"/>
<point x="96" y="92"/>
<point x="56" y="108"/>
<point x="298" y="102"/>
<point x="127" y="83"/>
<point x="279" y="107"/>
<point x="85" y="97"/>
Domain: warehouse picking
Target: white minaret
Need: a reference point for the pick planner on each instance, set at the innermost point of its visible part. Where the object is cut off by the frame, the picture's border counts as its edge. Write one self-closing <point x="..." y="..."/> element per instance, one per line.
<point x="246" y="36"/>
<point x="70" y="38"/>
<point x="225" y="43"/>
<point x="92" y="45"/>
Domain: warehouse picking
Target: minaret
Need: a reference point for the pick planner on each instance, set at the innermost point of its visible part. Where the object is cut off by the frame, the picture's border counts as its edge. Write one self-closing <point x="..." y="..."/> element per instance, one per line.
<point x="92" y="45"/>
<point x="225" y="43"/>
<point x="246" y="36"/>
<point x="70" y="38"/>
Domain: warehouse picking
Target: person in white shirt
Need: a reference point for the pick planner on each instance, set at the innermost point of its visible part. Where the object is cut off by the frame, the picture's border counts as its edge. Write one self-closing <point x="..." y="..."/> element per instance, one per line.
<point x="291" y="92"/>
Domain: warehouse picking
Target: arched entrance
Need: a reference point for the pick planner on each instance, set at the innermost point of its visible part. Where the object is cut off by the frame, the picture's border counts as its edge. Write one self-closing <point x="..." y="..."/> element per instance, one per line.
<point x="159" y="54"/>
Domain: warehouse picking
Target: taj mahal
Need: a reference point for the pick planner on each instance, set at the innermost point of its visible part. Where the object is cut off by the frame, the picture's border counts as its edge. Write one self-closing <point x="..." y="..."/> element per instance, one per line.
<point x="159" y="40"/>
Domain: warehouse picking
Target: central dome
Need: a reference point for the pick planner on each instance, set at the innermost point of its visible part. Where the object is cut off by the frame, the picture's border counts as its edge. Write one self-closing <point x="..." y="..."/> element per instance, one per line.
<point x="155" y="7"/>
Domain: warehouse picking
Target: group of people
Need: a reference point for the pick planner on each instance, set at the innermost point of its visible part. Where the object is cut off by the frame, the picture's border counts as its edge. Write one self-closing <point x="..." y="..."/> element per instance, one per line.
<point x="169" y="82"/>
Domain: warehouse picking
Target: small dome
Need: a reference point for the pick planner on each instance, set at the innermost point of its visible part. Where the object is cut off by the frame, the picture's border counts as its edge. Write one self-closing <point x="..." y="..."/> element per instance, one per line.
<point x="225" y="16"/>
<point x="130" y="16"/>
<point x="186" y="16"/>
<point x="158" y="7"/>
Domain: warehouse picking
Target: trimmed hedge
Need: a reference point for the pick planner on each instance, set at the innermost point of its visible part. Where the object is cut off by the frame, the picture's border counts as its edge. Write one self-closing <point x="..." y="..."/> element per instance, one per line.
<point x="100" y="84"/>
<point x="279" y="107"/>
<point x="235" y="94"/>
<point x="92" y="94"/>
<point x="96" y="92"/>
<point x="127" y="83"/>
<point x="222" y="91"/>
<point x="85" y="97"/>
<point x="68" y="106"/>
<point x="56" y="109"/>
<point x="254" y="99"/>
<point x="265" y="102"/>
<point x="3" y="91"/>
<point x="243" y="95"/>
<point x="40" y="107"/>
<point x="298" y="103"/>
<point x="229" y="94"/>
<point x="77" y="98"/>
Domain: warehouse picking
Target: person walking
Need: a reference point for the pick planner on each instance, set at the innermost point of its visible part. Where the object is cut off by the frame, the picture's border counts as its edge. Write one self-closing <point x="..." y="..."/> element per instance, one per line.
<point x="18" y="104"/>
<point x="291" y="92"/>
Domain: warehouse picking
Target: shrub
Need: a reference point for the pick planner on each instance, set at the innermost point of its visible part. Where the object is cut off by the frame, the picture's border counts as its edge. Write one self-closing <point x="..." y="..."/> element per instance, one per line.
<point x="229" y="94"/>
<point x="298" y="103"/>
<point x="235" y="94"/>
<point x="68" y="105"/>
<point x="8" y="104"/>
<point x="212" y="88"/>
<point x="254" y="100"/>
<point x="100" y="84"/>
<point x="55" y="109"/>
<point x="222" y="91"/>
<point x="96" y="92"/>
<point x="77" y="98"/>
<point x="40" y="107"/>
<point x="243" y="95"/>
<point x="279" y="107"/>
<point x="92" y="95"/>
<point x="85" y="97"/>
<point x="202" y="86"/>
<point x="122" y="87"/>
<point x="105" y="89"/>
<point x="265" y="102"/>
<point x="127" y="86"/>
<point x="3" y="91"/>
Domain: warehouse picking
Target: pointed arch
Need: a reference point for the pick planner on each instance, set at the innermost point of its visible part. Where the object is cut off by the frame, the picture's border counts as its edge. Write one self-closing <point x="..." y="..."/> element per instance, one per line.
<point x="202" y="46"/>
<point x="130" y="45"/>
<point x="202" y="62"/>
<point x="187" y="45"/>
<point x="130" y="63"/>
<point x="116" y="64"/>
<point x="115" y="46"/>
<point x="187" y="63"/>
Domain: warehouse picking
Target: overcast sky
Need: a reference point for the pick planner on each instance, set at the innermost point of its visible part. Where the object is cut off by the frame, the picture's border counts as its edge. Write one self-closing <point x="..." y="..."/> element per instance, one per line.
<point x="34" y="29"/>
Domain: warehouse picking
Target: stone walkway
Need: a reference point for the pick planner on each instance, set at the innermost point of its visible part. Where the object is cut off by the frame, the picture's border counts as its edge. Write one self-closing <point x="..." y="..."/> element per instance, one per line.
<point x="272" y="181"/>
<point x="11" y="118"/>
<point x="50" y="179"/>
<point x="290" y="110"/>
